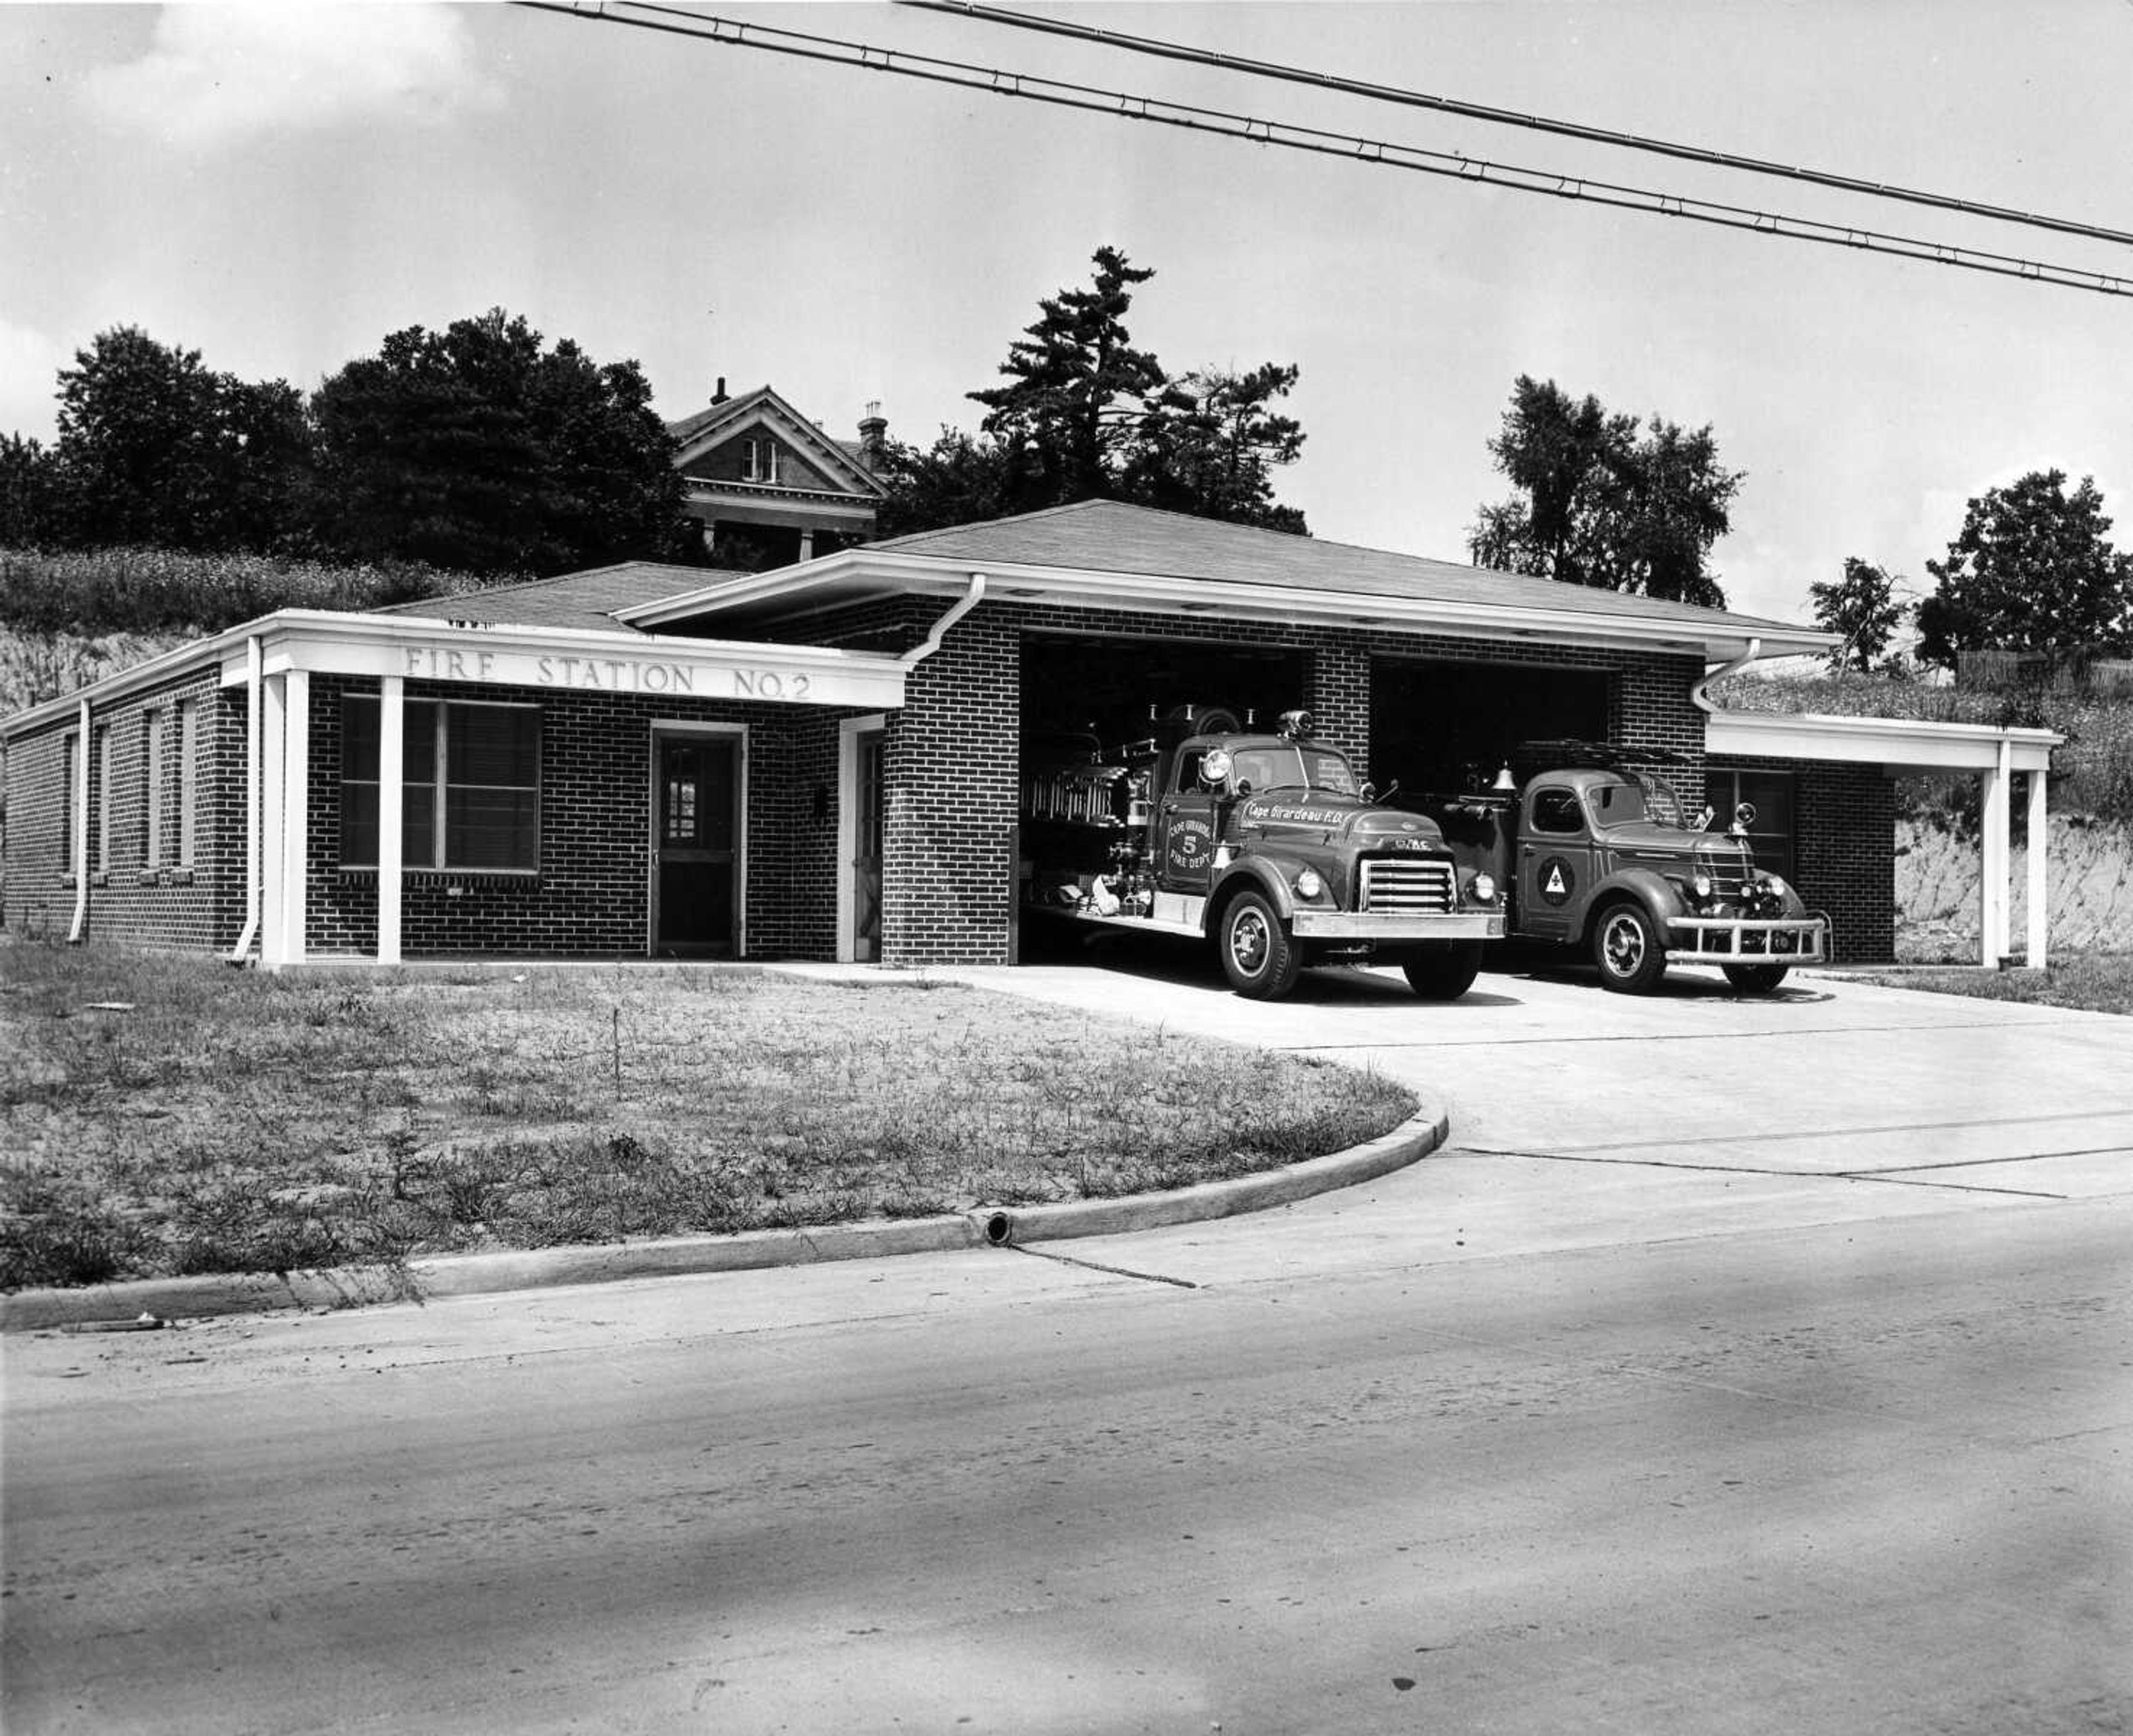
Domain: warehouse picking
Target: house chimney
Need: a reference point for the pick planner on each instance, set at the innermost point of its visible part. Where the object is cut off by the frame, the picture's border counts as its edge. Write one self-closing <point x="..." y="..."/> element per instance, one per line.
<point x="873" y="433"/>
<point x="719" y="390"/>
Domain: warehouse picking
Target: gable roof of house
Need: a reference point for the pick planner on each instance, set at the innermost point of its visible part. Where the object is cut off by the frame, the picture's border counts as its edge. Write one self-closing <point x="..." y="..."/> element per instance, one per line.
<point x="1130" y="556"/>
<point x="717" y="423"/>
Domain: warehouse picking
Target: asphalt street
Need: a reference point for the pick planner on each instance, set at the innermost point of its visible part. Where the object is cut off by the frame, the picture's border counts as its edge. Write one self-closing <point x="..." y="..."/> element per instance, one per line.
<point x="1738" y="1366"/>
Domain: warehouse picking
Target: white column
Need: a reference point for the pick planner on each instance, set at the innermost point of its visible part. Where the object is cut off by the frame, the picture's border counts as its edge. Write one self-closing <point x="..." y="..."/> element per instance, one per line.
<point x="295" y="861"/>
<point x="273" y="713"/>
<point x="1992" y="879"/>
<point x="2040" y="840"/>
<point x="392" y="716"/>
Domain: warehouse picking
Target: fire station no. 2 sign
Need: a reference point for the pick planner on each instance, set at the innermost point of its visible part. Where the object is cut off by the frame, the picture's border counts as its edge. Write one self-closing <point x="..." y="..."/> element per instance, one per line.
<point x="1555" y="880"/>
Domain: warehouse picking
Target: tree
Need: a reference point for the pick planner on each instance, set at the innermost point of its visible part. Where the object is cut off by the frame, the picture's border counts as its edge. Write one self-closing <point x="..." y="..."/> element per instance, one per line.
<point x="29" y="495"/>
<point x="2031" y="571"/>
<point x="1085" y="414"/>
<point x="960" y="479"/>
<point x="154" y="448"/>
<point x="478" y="449"/>
<point x="1205" y="444"/>
<point x="1865" y="607"/>
<point x="1078" y="388"/>
<point x="1602" y="505"/>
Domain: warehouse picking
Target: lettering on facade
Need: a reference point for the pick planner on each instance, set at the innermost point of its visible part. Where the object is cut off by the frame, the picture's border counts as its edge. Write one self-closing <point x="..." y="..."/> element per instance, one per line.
<point x="601" y="674"/>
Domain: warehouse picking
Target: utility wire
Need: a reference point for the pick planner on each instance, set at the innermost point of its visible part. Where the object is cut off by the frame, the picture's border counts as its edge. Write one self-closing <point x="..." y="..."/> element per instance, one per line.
<point x="1510" y="117"/>
<point x="1450" y="165"/>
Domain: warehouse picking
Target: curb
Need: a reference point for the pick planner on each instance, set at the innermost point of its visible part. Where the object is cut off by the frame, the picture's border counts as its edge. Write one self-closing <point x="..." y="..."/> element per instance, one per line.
<point x="486" y="1274"/>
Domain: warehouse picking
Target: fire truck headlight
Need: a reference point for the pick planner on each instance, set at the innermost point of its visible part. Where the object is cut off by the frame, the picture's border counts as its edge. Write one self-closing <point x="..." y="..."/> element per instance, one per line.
<point x="1483" y="888"/>
<point x="1308" y="885"/>
<point x="1701" y="886"/>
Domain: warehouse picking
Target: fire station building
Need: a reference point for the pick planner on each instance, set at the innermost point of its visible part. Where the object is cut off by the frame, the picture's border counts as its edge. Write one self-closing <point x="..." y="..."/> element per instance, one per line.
<point x="823" y="760"/>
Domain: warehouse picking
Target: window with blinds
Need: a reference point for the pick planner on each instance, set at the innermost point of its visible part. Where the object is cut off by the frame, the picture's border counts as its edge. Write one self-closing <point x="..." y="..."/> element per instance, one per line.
<point x="470" y="793"/>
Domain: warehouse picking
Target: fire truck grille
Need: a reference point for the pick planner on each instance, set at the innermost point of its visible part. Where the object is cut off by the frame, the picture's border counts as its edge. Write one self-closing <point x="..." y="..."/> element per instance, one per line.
<point x="1407" y="883"/>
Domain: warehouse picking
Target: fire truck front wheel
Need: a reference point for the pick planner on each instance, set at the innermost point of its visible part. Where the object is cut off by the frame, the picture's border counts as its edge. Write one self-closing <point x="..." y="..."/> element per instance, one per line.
<point x="1444" y="973"/>
<point x="1259" y="956"/>
<point x="1627" y="947"/>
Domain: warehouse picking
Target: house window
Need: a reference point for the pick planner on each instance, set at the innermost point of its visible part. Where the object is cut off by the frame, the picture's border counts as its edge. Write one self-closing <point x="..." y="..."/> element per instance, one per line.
<point x="152" y="780"/>
<point x="188" y="779"/>
<point x="759" y="461"/>
<point x="1772" y="792"/>
<point x="470" y="790"/>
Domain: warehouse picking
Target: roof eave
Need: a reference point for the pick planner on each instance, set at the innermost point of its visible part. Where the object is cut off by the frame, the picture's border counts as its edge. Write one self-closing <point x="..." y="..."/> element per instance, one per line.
<point x="864" y="573"/>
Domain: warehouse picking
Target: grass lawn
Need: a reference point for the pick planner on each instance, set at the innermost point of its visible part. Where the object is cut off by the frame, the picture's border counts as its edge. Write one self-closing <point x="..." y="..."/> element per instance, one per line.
<point x="2094" y="982"/>
<point x="203" y="1119"/>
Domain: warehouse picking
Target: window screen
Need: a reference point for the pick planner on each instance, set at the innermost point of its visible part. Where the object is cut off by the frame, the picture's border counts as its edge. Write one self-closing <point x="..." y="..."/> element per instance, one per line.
<point x="471" y="790"/>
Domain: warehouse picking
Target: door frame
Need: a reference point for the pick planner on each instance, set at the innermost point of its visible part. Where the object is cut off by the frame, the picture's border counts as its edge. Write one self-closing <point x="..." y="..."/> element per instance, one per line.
<point x="737" y="733"/>
<point x="848" y="732"/>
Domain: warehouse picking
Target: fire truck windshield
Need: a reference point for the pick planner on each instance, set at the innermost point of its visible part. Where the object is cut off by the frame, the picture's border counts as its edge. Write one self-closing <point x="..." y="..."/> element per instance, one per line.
<point x="1294" y="769"/>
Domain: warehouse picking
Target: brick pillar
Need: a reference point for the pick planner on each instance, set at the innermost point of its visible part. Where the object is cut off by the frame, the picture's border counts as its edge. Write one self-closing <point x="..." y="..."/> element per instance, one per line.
<point x="952" y="761"/>
<point x="1340" y="698"/>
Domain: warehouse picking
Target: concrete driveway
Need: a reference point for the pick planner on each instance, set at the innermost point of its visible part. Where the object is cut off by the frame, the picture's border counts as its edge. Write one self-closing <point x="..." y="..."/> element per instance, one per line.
<point x="1583" y="1117"/>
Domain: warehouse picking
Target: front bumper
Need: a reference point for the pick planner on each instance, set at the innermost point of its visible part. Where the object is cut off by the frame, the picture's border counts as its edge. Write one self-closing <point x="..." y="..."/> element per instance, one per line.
<point x="1341" y="925"/>
<point x="1742" y="940"/>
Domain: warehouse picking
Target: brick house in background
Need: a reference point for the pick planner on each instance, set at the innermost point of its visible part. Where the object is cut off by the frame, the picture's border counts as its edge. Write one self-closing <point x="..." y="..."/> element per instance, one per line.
<point x="768" y="487"/>
<point x="823" y="760"/>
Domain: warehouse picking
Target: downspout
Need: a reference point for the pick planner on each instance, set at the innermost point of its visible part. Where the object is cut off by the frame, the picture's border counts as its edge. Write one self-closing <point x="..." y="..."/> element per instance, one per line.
<point x="253" y="844"/>
<point x="1699" y="696"/>
<point x="78" y="798"/>
<point x="963" y="605"/>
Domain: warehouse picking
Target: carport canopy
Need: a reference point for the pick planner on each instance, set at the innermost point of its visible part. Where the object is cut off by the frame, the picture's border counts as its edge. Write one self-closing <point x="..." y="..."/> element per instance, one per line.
<point x="1902" y="744"/>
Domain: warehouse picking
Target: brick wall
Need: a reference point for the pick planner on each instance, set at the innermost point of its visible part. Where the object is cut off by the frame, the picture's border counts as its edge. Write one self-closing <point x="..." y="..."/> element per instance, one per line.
<point x="951" y="753"/>
<point x="1844" y="850"/>
<point x="591" y="896"/>
<point x="951" y="760"/>
<point x="195" y="900"/>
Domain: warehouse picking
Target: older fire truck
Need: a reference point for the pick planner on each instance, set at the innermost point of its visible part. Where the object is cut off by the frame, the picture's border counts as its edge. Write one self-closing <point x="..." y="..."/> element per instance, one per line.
<point x="1264" y="842"/>
<point x="1594" y="854"/>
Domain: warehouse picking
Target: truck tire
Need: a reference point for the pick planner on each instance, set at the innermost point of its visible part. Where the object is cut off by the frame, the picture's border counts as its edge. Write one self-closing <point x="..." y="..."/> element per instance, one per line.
<point x="1444" y="973"/>
<point x="1259" y="956"/>
<point x="1627" y="947"/>
<point x="1755" y="978"/>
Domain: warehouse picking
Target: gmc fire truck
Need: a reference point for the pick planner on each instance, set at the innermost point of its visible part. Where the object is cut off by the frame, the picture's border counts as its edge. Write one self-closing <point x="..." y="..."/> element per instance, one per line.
<point x="1264" y="844"/>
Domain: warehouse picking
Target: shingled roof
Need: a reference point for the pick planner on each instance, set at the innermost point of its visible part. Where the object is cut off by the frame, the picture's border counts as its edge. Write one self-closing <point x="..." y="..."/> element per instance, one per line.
<point x="1112" y="536"/>
<point x="584" y="601"/>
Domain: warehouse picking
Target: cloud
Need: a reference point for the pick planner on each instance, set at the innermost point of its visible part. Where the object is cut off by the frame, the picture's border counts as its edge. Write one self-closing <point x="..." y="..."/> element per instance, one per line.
<point x="218" y="75"/>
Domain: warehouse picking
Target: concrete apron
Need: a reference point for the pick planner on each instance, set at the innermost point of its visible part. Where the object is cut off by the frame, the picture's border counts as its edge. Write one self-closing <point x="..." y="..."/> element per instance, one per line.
<point x="1581" y="1118"/>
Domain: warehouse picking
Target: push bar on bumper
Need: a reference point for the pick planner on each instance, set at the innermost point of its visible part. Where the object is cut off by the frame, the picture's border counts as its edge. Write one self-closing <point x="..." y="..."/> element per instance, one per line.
<point x="1740" y="940"/>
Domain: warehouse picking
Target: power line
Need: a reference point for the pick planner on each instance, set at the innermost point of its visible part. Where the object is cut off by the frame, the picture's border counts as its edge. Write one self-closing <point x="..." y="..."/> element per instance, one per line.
<point x="1510" y="117"/>
<point x="1450" y="165"/>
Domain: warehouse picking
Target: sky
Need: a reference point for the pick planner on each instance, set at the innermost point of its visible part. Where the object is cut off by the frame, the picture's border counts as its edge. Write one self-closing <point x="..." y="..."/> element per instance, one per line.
<point x="278" y="187"/>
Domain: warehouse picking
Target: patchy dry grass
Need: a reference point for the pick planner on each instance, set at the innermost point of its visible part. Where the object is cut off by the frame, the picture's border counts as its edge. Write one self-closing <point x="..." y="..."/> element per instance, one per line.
<point x="2092" y="982"/>
<point x="219" y="1120"/>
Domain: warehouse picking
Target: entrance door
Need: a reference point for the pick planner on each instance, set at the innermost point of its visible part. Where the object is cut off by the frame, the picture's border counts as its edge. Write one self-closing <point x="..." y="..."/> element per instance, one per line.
<point x="867" y="847"/>
<point x="695" y="827"/>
